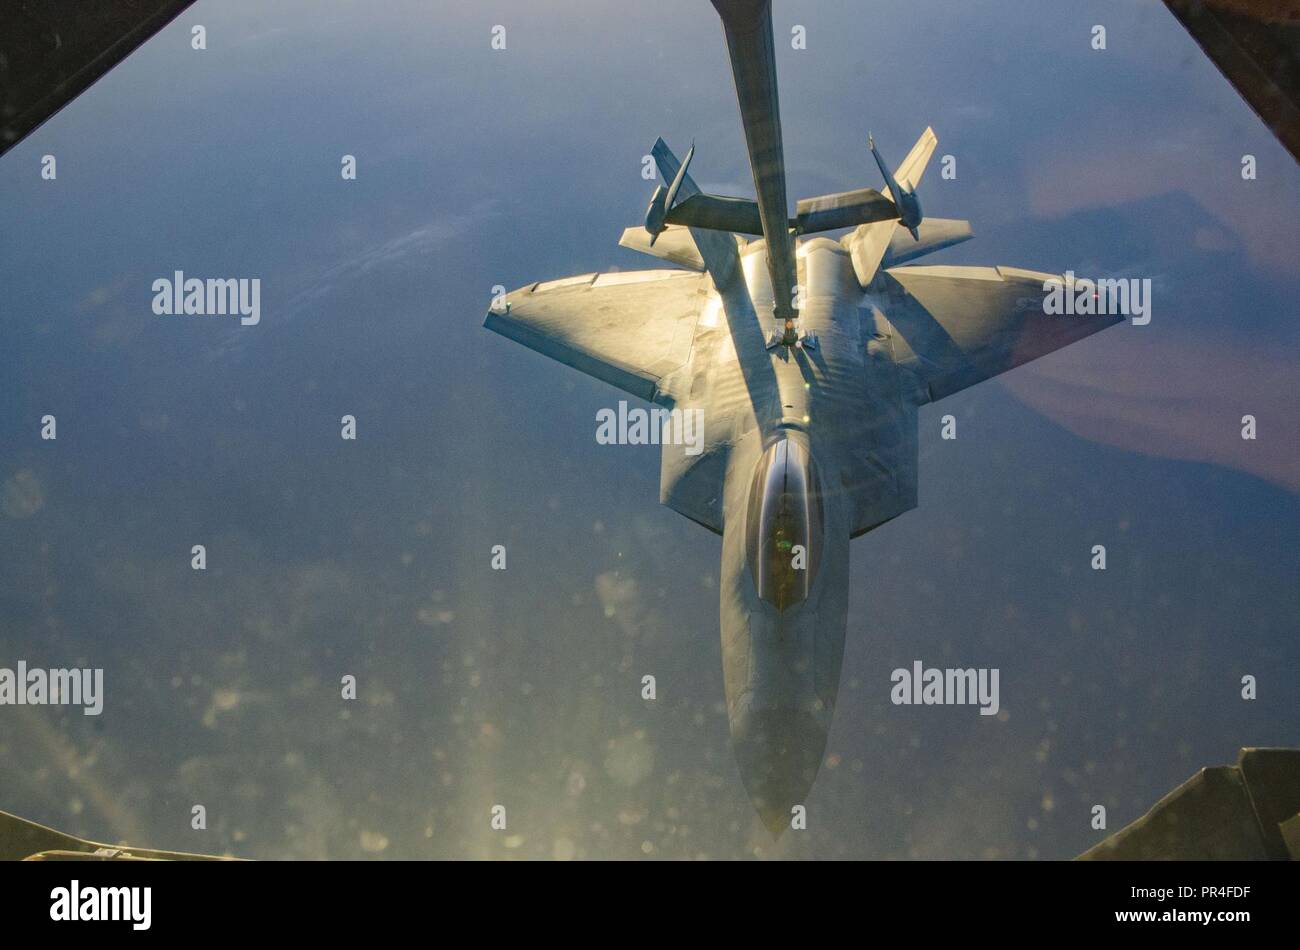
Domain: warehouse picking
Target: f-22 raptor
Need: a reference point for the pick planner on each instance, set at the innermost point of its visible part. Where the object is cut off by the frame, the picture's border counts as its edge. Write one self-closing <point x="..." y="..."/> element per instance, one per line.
<point x="809" y="358"/>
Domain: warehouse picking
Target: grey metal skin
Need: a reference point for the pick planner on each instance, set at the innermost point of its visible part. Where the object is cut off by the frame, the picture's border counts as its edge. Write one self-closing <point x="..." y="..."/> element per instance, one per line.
<point x="781" y="669"/>
<point x="889" y="339"/>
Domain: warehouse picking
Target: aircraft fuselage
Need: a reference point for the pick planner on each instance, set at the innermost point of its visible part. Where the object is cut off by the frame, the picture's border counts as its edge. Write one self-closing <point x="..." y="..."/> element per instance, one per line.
<point x="834" y="418"/>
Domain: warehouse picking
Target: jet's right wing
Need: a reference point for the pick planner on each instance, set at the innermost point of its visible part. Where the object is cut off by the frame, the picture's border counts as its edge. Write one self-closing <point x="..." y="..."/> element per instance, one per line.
<point x="958" y="326"/>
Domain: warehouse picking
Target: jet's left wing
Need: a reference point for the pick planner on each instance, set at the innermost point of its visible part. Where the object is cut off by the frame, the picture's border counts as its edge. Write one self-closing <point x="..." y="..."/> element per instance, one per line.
<point x="957" y="326"/>
<point x="627" y="328"/>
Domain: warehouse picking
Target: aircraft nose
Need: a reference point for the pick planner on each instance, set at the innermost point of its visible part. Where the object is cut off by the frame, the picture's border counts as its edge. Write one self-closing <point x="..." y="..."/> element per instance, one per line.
<point x="778" y="750"/>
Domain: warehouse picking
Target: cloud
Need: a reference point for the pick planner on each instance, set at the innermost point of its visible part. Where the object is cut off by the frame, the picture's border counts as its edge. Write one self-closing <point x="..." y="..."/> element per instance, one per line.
<point x="417" y="245"/>
<point x="1178" y="396"/>
<point x="1118" y="159"/>
<point x="22" y="495"/>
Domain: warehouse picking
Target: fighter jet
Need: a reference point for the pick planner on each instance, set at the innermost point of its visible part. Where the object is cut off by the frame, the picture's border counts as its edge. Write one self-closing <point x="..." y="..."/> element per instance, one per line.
<point x="810" y="358"/>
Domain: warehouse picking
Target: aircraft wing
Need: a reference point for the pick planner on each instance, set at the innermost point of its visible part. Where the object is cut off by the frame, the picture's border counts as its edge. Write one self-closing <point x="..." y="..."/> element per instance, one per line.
<point x="627" y="328"/>
<point x="958" y="326"/>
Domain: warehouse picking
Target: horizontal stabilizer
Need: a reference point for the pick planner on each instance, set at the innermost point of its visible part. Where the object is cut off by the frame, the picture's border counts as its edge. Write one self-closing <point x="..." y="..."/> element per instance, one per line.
<point x="867" y="246"/>
<point x="935" y="235"/>
<point x="675" y="244"/>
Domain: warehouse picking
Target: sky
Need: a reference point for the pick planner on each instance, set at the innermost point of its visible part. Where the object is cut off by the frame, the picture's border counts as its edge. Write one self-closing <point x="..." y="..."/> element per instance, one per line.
<point x="371" y="558"/>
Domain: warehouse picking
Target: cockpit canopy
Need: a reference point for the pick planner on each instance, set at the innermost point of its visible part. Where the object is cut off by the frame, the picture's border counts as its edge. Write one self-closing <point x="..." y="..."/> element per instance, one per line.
<point x="784" y="524"/>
